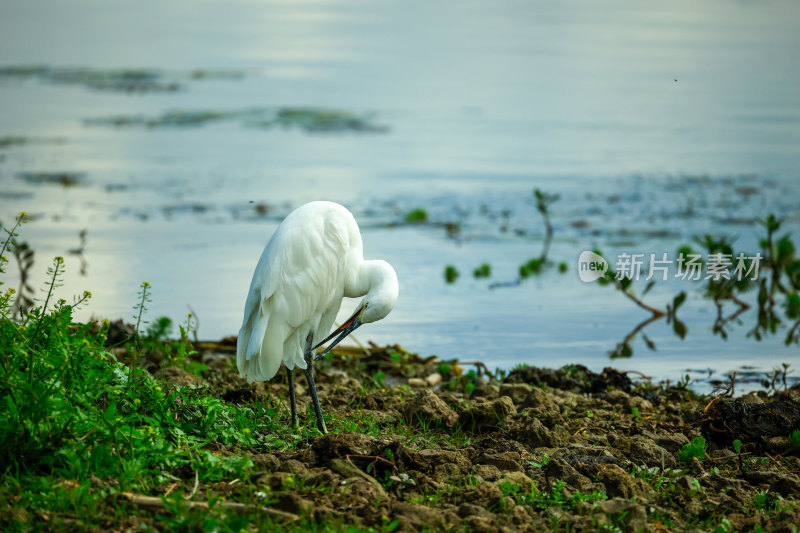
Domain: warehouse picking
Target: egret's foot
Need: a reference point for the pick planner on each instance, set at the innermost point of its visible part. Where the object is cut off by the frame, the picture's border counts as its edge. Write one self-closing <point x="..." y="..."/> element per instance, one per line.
<point x="321" y="425"/>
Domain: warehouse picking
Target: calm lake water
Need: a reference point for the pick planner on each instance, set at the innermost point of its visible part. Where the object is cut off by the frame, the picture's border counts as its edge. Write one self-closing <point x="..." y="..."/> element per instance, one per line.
<point x="655" y="123"/>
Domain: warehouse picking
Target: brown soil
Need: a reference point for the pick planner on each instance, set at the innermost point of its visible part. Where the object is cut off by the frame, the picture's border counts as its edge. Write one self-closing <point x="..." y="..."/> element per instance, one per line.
<point x="541" y="449"/>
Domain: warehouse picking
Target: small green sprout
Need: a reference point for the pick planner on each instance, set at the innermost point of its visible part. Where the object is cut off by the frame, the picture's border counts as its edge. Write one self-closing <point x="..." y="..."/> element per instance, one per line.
<point x="695" y="450"/>
<point x="794" y="440"/>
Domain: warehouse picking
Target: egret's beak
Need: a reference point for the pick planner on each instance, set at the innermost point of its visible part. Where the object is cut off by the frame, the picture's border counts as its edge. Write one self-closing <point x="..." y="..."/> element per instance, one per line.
<point x="343" y="331"/>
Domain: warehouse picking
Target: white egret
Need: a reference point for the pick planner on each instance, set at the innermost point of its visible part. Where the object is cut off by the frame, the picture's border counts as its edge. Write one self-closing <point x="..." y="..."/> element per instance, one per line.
<point x="313" y="260"/>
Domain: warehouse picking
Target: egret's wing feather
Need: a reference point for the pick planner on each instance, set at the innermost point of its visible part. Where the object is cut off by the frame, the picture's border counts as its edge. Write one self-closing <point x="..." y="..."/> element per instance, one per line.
<point x="312" y="284"/>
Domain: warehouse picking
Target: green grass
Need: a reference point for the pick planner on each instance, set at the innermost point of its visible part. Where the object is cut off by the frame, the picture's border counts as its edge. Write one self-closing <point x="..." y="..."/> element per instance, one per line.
<point x="694" y="450"/>
<point x="555" y="497"/>
<point x="79" y="426"/>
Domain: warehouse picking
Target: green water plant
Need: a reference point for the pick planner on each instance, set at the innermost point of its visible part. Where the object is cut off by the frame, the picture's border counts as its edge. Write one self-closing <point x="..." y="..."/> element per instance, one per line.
<point x="417" y="215"/>
<point x="450" y="274"/>
<point x="483" y="271"/>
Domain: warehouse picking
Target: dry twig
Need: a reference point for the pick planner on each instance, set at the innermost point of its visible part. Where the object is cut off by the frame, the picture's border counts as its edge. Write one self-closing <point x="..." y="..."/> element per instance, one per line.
<point x="156" y="503"/>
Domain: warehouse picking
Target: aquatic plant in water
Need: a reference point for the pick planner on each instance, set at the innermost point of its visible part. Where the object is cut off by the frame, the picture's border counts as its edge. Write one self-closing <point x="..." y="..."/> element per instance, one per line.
<point x="310" y="120"/>
<point x="128" y="80"/>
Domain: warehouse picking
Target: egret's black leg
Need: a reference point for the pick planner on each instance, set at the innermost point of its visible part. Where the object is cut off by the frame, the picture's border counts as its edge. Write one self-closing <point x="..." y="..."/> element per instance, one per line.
<point x="292" y="396"/>
<point x="310" y="378"/>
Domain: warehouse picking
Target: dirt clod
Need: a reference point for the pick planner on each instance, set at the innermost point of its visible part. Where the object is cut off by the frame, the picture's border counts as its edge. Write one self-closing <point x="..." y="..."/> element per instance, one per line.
<point x="427" y="408"/>
<point x="740" y="419"/>
<point x="486" y="416"/>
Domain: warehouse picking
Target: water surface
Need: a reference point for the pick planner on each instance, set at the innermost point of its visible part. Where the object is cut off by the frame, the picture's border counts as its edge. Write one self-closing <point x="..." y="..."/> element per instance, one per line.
<point x="649" y="120"/>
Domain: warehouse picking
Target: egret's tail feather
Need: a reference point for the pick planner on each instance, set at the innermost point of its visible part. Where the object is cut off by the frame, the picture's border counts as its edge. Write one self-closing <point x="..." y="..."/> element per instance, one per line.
<point x="253" y="359"/>
<point x="259" y="328"/>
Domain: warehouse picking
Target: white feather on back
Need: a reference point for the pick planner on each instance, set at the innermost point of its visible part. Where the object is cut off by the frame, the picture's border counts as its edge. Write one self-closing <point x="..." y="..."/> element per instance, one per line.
<point x="297" y="288"/>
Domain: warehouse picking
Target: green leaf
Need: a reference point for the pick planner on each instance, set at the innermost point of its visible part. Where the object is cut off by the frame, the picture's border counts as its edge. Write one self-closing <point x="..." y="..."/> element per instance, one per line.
<point x="679" y="328"/>
<point x="648" y="287"/>
<point x="678" y="301"/>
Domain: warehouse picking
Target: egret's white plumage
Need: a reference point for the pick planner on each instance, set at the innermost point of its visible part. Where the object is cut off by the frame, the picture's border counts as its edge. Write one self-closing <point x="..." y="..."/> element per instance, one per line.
<point x="313" y="260"/>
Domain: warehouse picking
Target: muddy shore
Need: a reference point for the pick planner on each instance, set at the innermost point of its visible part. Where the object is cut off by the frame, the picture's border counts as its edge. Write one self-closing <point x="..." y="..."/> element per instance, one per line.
<point x="421" y="444"/>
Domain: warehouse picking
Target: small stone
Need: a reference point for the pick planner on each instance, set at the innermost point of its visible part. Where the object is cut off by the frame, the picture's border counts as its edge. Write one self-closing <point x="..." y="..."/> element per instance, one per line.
<point x="434" y="379"/>
<point x="417" y="383"/>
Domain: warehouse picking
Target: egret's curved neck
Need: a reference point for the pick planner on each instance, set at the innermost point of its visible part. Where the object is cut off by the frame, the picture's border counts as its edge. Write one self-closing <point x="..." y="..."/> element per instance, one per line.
<point x="377" y="282"/>
<point x="372" y="277"/>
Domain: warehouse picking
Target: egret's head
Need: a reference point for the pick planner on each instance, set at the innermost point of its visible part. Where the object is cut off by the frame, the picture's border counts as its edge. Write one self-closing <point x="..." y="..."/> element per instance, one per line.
<point x="378" y="302"/>
<point x="382" y="294"/>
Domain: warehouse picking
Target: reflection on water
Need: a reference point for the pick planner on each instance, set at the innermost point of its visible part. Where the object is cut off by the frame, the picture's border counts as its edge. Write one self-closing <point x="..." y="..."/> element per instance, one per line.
<point x="655" y="123"/>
